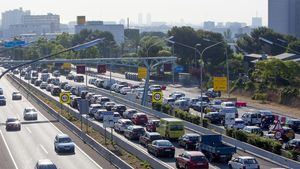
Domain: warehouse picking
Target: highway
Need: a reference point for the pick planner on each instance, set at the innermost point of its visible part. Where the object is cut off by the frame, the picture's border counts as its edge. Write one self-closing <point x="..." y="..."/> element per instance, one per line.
<point x="35" y="140"/>
<point x="179" y="150"/>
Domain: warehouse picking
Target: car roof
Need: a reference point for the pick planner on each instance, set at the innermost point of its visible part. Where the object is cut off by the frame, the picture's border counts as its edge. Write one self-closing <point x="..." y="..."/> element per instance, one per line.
<point x="192" y="135"/>
<point x="44" y="162"/>
<point x="252" y="127"/>
<point x="171" y="119"/>
<point x="153" y="133"/>
<point x="124" y="120"/>
<point x="161" y="141"/>
<point x="62" y="136"/>
<point x="246" y="157"/>
<point x="194" y="153"/>
<point x="294" y="119"/>
<point x="137" y="127"/>
<point x="139" y="114"/>
<point x="12" y="118"/>
<point x="238" y="119"/>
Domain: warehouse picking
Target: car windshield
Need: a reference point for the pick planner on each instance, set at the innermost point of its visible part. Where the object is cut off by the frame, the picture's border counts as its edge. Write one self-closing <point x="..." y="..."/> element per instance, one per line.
<point x="239" y="122"/>
<point x="176" y="127"/>
<point x="139" y="130"/>
<point x="128" y="123"/>
<point x="12" y="120"/>
<point x="250" y="161"/>
<point x="48" y="166"/>
<point x="165" y="144"/>
<point x="194" y="138"/>
<point x="297" y="122"/>
<point x="30" y="110"/>
<point x="198" y="159"/>
<point x="155" y="137"/>
<point x="65" y="140"/>
<point x="2" y="97"/>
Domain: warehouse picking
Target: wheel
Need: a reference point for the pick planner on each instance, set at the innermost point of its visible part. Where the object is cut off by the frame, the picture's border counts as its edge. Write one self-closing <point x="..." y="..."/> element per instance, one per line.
<point x="186" y="167"/>
<point x="230" y="166"/>
<point x="156" y="154"/>
<point x="177" y="165"/>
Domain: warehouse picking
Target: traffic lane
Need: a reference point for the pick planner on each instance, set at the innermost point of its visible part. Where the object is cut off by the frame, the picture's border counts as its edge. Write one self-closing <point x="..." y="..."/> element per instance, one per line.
<point x="179" y="151"/>
<point x="38" y="143"/>
<point x="6" y="158"/>
<point x="169" y="161"/>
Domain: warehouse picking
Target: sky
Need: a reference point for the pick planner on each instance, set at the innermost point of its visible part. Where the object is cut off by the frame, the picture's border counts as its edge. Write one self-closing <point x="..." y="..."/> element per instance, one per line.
<point x="191" y="11"/>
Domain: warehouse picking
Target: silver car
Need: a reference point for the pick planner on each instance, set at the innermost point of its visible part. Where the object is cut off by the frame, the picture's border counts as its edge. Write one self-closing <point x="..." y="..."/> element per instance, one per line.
<point x="45" y="164"/>
<point x="30" y="114"/>
<point x="63" y="143"/>
<point x="16" y="96"/>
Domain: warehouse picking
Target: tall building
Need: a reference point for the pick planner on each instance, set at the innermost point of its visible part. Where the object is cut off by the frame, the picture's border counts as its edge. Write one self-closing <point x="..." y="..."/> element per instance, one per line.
<point x="140" y="19"/>
<point x="117" y="30"/>
<point x="256" y="22"/>
<point x="148" y="19"/>
<point x="13" y="17"/>
<point x="284" y="16"/>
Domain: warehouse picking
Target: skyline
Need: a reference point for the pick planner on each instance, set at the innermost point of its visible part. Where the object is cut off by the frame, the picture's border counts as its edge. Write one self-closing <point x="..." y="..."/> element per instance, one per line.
<point x="192" y="12"/>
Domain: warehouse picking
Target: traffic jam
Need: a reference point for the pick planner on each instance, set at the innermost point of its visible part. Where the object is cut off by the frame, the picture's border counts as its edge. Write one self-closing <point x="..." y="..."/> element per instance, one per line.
<point x="161" y="137"/>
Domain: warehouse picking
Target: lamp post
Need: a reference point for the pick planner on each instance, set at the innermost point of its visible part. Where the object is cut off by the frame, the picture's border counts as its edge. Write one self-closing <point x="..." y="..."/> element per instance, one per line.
<point x="74" y="48"/>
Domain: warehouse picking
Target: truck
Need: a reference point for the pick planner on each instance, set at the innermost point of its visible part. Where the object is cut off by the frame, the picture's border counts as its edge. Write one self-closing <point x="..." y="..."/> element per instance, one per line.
<point x="171" y="128"/>
<point x="214" y="149"/>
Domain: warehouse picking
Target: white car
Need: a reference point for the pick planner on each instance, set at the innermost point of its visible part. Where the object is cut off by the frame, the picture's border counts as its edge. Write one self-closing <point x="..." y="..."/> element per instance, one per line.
<point x="239" y="124"/>
<point x="122" y="124"/>
<point x="43" y="85"/>
<point x="125" y="90"/>
<point x="30" y="114"/>
<point x="244" y="162"/>
<point x="16" y="96"/>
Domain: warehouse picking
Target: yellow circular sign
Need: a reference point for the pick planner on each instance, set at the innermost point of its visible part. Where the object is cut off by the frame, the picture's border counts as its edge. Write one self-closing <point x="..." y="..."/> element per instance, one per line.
<point x="64" y="97"/>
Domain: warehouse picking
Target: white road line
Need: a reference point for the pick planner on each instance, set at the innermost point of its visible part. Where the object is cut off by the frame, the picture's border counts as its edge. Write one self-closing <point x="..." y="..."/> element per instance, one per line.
<point x="29" y="131"/>
<point x="44" y="149"/>
<point x="75" y="144"/>
<point x="13" y="160"/>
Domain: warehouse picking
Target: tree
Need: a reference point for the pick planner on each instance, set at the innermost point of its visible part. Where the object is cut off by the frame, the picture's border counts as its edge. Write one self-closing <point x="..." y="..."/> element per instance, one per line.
<point x="158" y="34"/>
<point x="65" y="40"/>
<point x="152" y="43"/>
<point x="294" y="46"/>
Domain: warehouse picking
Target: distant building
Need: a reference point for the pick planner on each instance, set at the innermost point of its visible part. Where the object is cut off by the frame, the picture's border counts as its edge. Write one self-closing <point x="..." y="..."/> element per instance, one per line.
<point x="13" y="17"/>
<point x="256" y="22"/>
<point x="117" y="30"/>
<point x="209" y="25"/>
<point x="158" y="23"/>
<point x="148" y="19"/>
<point x="284" y="16"/>
<point x="140" y="19"/>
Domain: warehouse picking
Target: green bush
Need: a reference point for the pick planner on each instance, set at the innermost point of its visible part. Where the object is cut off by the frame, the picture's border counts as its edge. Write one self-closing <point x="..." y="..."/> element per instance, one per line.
<point x="156" y="106"/>
<point x="166" y="109"/>
<point x="287" y="94"/>
<point x="187" y="116"/>
<point x="249" y="86"/>
<point x="260" y="96"/>
<point x="240" y="135"/>
<point x="205" y="122"/>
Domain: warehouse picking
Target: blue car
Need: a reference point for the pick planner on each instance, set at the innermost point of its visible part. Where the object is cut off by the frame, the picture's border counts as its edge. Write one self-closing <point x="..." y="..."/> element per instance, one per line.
<point x="2" y="100"/>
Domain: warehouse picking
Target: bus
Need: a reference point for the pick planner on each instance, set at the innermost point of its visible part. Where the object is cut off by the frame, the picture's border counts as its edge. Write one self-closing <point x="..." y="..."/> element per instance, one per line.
<point x="171" y="128"/>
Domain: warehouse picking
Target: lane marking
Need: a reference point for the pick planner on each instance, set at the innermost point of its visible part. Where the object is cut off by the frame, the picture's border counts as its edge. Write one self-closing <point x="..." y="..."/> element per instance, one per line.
<point x="29" y="131"/>
<point x="9" y="152"/>
<point x="43" y="148"/>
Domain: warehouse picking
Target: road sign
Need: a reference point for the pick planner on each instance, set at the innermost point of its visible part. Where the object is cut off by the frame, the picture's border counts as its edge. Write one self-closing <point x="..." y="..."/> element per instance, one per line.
<point x="108" y="119"/>
<point x="83" y="106"/>
<point x="66" y="66"/>
<point x="15" y="43"/>
<point x="64" y="97"/>
<point x="157" y="97"/>
<point x="142" y="73"/>
<point x="178" y="69"/>
<point x="80" y="69"/>
<point x="101" y="69"/>
<point x="220" y="83"/>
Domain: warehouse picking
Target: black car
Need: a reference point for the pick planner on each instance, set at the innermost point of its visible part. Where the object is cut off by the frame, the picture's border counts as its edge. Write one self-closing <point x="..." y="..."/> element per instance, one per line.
<point x="213" y="117"/>
<point x="38" y="82"/>
<point x="134" y="132"/>
<point x="32" y="81"/>
<point x="55" y="91"/>
<point x="294" y="124"/>
<point x="120" y="108"/>
<point x="148" y="137"/>
<point x="189" y="141"/>
<point x="13" y="123"/>
<point x="2" y="100"/>
<point x="74" y="101"/>
<point x="63" y="84"/>
<point x="161" y="148"/>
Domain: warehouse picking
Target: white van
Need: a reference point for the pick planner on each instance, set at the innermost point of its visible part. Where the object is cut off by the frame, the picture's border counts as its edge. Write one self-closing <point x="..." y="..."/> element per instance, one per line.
<point x="225" y="110"/>
<point x="252" y="118"/>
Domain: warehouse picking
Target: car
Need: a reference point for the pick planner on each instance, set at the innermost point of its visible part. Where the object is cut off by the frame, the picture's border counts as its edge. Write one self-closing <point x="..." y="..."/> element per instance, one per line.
<point x="177" y="95"/>
<point x="78" y="78"/>
<point x="191" y="160"/>
<point x="244" y="162"/>
<point x="70" y="76"/>
<point x="83" y="94"/>
<point x="139" y="119"/>
<point x="152" y="125"/>
<point x="30" y="114"/>
<point x="16" y="96"/>
<point x="252" y="118"/>
<point x="67" y="87"/>
<point x="92" y="80"/>
<point x="55" y="81"/>
<point x="56" y="73"/>
<point x="239" y="124"/>
<point x="93" y="108"/>
<point x="201" y="105"/>
<point x="294" y="124"/>
<point x="120" y="108"/>
<point x="62" y="85"/>
<point x="55" y="91"/>
<point x="227" y="104"/>
<point x="125" y="90"/>
<point x="169" y="101"/>
<point x="2" y="100"/>
<point x="33" y="80"/>
<point x="182" y="104"/>
<point x="253" y="130"/>
<point x="267" y="118"/>
<point x="37" y="82"/>
<point x="43" y="85"/>
<point x="148" y="137"/>
<point x="63" y="143"/>
<point x="102" y="100"/>
<point x="189" y="140"/>
<point x="122" y="124"/>
<point x="293" y="144"/>
<point x="129" y="113"/>
<point x="109" y="105"/>
<point x="117" y="116"/>
<point x="161" y="148"/>
<point x="1" y="91"/>
<point x="12" y="123"/>
<point x="213" y="117"/>
<point x="49" y="87"/>
<point x="134" y="132"/>
<point x="45" y="164"/>
<point x="288" y="133"/>
<point x="98" y="115"/>
<point x="74" y="101"/>
<point x="94" y="98"/>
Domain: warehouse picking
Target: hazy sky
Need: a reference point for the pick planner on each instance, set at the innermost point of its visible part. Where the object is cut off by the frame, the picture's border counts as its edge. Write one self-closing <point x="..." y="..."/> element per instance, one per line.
<point x="191" y="11"/>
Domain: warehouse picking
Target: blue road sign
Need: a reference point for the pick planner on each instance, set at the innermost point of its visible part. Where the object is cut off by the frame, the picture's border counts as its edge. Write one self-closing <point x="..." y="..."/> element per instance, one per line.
<point x="178" y="69"/>
<point x="16" y="43"/>
<point x="83" y="106"/>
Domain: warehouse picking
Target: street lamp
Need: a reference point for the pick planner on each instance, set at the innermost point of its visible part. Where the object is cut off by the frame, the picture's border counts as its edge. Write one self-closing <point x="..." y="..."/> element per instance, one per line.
<point x="273" y="43"/>
<point x="74" y="48"/>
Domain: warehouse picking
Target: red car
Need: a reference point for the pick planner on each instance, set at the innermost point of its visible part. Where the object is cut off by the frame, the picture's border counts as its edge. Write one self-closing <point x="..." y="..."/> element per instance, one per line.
<point x="192" y="160"/>
<point x="152" y="125"/>
<point x="241" y="104"/>
<point x="139" y="119"/>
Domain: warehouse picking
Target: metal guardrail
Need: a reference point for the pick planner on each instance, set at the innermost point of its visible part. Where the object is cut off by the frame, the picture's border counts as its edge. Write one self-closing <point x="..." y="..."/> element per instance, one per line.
<point x="256" y="151"/>
<point x="107" y="154"/>
<point x="122" y="142"/>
